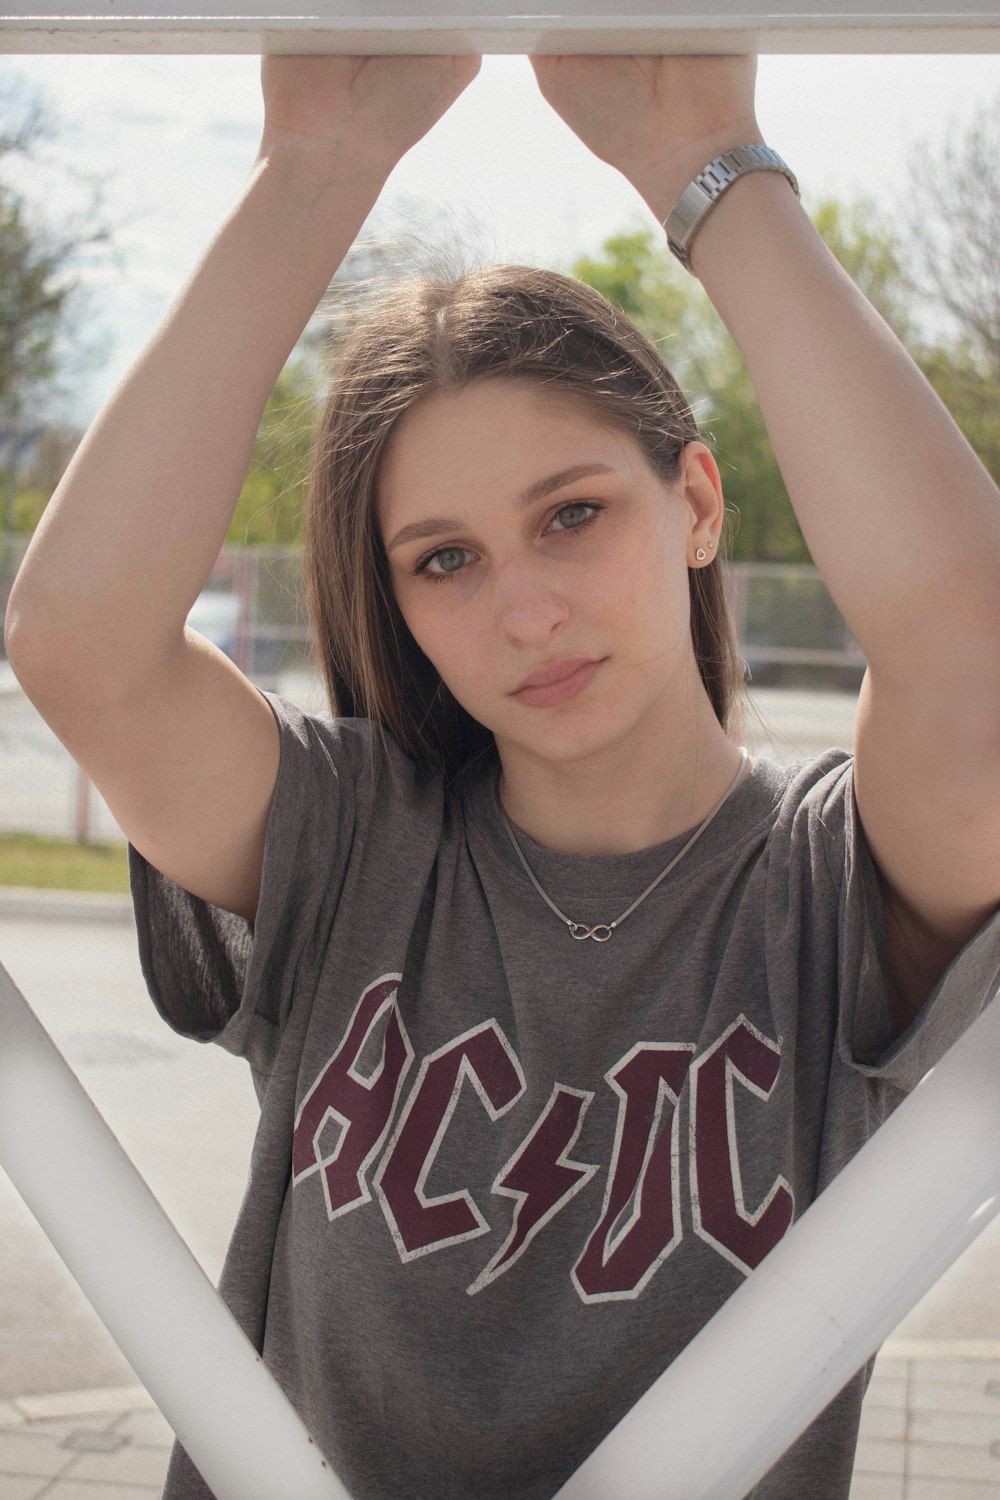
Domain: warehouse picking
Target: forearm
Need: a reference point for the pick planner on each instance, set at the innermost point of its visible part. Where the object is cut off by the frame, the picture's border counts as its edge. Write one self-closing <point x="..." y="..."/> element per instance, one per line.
<point x="131" y="533"/>
<point x="900" y="516"/>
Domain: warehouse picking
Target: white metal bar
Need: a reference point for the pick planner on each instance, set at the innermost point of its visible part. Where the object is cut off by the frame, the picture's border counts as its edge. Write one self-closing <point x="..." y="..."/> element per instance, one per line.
<point x="484" y="26"/>
<point x="144" y="1283"/>
<point x="821" y="1303"/>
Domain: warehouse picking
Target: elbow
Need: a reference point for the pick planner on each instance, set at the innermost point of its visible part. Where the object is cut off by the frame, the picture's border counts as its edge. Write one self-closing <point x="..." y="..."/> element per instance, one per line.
<point x="59" y="658"/>
<point x="17" y="634"/>
<point x="31" y="645"/>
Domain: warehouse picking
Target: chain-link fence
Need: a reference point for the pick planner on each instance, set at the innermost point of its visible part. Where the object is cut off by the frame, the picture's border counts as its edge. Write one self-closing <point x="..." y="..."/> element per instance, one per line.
<point x="791" y="632"/>
<point x="253" y="608"/>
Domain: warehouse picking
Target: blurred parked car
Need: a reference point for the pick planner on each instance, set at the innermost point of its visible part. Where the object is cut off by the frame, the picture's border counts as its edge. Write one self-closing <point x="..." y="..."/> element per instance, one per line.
<point x="215" y="614"/>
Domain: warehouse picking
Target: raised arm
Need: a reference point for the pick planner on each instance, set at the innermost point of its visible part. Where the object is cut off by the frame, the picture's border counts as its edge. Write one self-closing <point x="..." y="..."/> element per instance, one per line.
<point x="182" y="746"/>
<point x="900" y="516"/>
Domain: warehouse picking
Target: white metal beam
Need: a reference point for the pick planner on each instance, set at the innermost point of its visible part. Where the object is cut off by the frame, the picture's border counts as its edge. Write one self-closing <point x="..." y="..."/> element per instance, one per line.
<point x="489" y="26"/>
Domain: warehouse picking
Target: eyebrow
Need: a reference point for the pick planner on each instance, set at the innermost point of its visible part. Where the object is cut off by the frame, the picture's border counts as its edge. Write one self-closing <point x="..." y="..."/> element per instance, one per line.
<point x="435" y="525"/>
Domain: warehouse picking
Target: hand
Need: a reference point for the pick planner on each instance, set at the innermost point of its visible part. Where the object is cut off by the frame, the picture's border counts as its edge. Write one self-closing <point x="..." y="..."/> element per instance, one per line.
<point x="659" y="120"/>
<point x="369" y="110"/>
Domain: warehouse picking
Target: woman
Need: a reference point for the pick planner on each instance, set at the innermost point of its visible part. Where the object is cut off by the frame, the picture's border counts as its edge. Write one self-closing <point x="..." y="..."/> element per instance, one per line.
<point x="558" y="1007"/>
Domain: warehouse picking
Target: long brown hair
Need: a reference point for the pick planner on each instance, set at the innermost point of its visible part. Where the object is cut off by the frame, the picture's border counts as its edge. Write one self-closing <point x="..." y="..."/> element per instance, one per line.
<point x="430" y="334"/>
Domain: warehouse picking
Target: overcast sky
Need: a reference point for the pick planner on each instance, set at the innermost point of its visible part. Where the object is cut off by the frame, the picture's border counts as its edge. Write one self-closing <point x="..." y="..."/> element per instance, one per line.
<point x="173" y="137"/>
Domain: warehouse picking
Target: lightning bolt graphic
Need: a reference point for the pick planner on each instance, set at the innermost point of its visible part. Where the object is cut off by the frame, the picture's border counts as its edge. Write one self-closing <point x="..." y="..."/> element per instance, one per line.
<point x="539" y="1177"/>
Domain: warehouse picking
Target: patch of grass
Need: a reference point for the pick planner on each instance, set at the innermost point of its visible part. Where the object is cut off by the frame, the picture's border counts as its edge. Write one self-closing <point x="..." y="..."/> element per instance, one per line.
<point x="60" y="864"/>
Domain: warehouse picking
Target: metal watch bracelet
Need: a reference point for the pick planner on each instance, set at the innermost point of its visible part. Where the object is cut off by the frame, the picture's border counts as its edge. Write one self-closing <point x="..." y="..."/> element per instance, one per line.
<point x="700" y="196"/>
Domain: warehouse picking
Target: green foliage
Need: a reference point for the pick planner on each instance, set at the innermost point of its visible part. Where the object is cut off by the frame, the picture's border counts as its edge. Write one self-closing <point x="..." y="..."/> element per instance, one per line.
<point x="636" y="277"/>
<point x="872" y="257"/>
<point x="25" y="496"/>
<point x="36" y="295"/>
<point x="32" y="298"/>
<point x="638" y="274"/>
<point x="28" y="859"/>
<point x="29" y="502"/>
<point x="765" y="527"/>
<point x="270" y="507"/>
<point x="951" y="216"/>
<point x="34" y="287"/>
<point x="966" y="381"/>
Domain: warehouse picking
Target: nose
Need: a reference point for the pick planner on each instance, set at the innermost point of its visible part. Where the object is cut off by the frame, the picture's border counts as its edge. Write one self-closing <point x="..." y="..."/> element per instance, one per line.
<point x="530" y="607"/>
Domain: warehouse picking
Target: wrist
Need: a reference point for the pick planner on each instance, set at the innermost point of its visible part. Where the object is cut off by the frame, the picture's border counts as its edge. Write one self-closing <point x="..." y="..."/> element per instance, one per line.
<point x="317" y="163"/>
<point x="661" y="180"/>
<point x="700" y="200"/>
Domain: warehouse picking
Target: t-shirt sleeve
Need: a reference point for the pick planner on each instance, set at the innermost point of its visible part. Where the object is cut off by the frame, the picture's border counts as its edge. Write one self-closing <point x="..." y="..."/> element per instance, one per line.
<point x="213" y="975"/>
<point x="867" y="1036"/>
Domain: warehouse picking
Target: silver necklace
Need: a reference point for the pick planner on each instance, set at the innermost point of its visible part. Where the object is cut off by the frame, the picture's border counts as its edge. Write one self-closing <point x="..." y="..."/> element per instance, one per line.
<point x="602" y="931"/>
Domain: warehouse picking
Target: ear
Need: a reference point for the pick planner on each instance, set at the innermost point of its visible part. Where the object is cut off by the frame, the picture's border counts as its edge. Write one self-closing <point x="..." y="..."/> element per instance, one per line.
<point x="699" y="485"/>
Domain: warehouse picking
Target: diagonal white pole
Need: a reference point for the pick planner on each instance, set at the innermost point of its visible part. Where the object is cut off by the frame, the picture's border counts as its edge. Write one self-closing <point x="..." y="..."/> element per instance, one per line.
<point x="820" y="1304"/>
<point x="155" y="1300"/>
<point x="861" y="1256"/>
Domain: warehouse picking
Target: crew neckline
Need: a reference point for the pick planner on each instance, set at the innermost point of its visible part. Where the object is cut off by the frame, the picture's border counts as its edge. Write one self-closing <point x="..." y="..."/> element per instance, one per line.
<point x="609" y="876"/>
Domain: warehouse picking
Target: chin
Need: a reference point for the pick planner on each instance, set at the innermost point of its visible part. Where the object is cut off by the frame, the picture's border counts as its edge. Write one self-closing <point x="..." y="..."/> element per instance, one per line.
<point x="562" y="744"/>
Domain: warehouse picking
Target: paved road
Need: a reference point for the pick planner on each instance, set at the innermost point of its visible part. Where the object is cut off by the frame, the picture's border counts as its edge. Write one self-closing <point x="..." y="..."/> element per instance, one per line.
<point x="184" y="1113"/>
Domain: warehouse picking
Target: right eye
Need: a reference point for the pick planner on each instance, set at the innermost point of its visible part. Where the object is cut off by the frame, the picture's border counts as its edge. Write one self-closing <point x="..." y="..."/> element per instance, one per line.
<point x="444" y="563"/>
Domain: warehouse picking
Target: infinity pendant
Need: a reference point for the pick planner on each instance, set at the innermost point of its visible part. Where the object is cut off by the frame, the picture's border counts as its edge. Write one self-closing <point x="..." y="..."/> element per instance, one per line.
<point x="600" y="933"/>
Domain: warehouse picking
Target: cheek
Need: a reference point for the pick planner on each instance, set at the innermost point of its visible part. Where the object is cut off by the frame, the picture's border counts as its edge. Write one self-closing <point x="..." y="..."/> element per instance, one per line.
<point x="452" y="651"/>
<point x="653" y="604"/>
<point x="644" y="576"/>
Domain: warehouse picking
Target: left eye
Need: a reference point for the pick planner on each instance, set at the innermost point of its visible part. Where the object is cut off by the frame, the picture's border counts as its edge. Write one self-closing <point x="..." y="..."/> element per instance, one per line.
<point x="572" y="517"/>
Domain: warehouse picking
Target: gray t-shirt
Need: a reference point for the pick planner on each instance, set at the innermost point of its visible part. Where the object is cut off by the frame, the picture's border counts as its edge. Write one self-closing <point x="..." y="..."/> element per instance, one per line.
<point x="502" y="1177"/>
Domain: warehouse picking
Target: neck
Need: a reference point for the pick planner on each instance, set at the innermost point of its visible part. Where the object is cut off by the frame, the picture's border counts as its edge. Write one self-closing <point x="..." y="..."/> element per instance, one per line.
<point x="622" y="799"/>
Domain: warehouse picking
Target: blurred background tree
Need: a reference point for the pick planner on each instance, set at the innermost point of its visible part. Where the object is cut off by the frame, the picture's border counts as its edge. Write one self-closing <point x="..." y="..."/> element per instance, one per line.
<point x="38" y="287"/>
<point x="934" y="278"/>
<point x="270" y="508"/>
<point x="638" y="273"/>
<point x="952" y="228"/>
<point x="271" y="505"/>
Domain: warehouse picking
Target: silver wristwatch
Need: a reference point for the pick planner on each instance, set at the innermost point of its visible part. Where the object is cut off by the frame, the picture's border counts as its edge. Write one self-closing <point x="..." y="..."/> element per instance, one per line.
<point x="700" y="196"/>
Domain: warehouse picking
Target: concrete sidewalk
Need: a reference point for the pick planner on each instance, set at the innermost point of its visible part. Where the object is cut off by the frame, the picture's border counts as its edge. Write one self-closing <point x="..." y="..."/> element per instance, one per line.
<point x="930" y="1426"/>
<point x="83" y="1445"/>
<point x="930" y="1431"/>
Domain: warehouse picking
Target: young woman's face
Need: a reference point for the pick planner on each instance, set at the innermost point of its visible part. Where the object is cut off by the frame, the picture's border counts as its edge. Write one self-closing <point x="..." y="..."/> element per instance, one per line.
<point x="541" y="565"/>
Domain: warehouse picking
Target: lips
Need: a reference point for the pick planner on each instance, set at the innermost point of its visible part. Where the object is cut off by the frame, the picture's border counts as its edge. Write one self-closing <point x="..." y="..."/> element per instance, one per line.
<point x="557" y="681"/>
